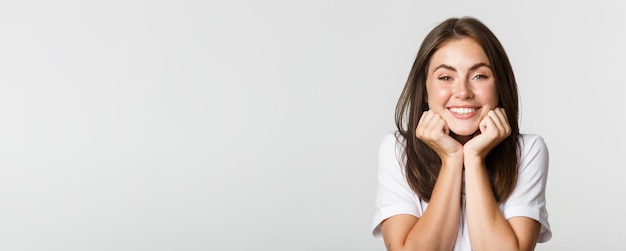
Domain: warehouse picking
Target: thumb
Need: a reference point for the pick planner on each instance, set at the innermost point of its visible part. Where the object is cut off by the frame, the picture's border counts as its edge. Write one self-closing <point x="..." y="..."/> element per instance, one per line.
<point x="483" y="124"/>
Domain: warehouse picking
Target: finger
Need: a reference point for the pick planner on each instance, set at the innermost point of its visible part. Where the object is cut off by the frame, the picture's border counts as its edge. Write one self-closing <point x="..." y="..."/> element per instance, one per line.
<point x="488" y="125"/>
<point x="431" y="127"/>
<point x="422" y="124"/>
<point x="500" y="115"/>
<point x="439" y="126"/>
<point x="502" y="111"/>
<point x="497" y="122"/>
<point x="503" y="122"/>
<point x="431" y="121"/>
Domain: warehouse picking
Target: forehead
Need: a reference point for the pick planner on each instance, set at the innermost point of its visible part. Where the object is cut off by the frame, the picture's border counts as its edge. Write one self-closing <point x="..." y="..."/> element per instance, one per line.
<point x="460" y="53"/>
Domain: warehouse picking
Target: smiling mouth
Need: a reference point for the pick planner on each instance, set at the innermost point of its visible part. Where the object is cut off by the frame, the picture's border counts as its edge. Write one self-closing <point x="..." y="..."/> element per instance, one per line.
<point x="462" y="110"/>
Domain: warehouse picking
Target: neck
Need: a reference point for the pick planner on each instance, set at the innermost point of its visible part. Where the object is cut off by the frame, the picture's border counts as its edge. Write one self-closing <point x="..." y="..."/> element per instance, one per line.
<point x="463" y="138"/>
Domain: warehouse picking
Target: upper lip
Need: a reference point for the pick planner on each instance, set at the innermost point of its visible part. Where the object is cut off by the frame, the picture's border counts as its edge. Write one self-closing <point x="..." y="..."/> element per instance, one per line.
<point x="463" y="106"/>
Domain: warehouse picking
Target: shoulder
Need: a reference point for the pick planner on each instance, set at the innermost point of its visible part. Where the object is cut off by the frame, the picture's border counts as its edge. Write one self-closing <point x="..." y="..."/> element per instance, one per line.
<point x="532" y="144"/>
<point x="391" y="150"/>
<point x="394" y="136"/>
<point x="530" y="138"/>
<point x="392" y="140"/>
<point x="528" y="197"/>
<point x="534" y="156"/>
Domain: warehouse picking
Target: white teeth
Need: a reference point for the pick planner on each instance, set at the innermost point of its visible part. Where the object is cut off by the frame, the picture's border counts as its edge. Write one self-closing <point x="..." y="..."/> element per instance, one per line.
<point x="462" y="111"/>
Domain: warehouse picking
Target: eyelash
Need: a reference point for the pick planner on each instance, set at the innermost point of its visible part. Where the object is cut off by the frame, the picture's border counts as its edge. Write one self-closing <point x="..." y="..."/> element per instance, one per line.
<point x="478" y="77"/>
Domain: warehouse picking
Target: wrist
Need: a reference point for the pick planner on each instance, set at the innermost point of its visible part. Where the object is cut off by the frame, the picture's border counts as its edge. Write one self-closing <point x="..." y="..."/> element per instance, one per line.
<point x="473" y="154"/>
<point x="453" y="160"/>
<point x="473" y="160"/>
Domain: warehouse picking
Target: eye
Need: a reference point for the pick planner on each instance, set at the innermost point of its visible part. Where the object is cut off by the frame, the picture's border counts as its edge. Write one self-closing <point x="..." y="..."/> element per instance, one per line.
<point x="445" y="78"/>
<point x="480" y="76"/>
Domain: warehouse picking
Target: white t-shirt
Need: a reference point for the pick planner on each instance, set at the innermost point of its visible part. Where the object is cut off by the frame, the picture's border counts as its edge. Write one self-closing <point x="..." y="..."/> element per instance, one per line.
<point x="395" y="196"/>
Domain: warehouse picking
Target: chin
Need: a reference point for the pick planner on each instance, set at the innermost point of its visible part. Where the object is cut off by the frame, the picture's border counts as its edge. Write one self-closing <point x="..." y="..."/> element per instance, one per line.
<point x="464" y="132"/>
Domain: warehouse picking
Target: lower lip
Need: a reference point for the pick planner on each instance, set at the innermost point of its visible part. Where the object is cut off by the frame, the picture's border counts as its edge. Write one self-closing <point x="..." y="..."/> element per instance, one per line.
<point x="463" y="116"/>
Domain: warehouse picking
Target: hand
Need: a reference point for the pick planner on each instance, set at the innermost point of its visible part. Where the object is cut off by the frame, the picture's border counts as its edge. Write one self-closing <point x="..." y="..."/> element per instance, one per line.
<point x="494" y="128"/>
<point x="433" y="130"/>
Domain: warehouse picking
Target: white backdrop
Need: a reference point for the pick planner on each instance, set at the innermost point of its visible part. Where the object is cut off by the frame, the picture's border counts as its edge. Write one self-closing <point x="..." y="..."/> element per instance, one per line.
<point x="254" y="125"/>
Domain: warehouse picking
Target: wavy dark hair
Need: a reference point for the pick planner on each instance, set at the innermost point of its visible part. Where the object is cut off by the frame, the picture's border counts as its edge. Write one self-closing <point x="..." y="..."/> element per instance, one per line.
<point x="422" y="164"/>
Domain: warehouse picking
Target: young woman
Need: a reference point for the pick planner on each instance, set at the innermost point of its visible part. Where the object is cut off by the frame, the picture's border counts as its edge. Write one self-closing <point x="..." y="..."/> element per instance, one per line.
<point x="457" y="174"/>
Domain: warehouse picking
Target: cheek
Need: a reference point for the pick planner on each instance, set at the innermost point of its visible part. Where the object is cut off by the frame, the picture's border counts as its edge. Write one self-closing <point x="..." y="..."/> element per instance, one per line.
<point x="437" y="96"/>
<point x="489" y="96"/>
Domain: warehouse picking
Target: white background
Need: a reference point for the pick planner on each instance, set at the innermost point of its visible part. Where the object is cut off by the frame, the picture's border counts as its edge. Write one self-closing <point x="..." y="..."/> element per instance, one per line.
<point x="254" y="125"/>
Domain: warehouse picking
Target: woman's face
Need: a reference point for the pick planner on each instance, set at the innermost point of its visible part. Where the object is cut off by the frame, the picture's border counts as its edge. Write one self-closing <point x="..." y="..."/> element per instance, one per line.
<point x="460" y="85"/>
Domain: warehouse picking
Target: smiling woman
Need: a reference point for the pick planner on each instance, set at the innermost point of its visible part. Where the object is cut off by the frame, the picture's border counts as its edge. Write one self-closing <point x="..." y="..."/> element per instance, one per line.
<point x="457" y="174"/>
<point x="461" y="86"/>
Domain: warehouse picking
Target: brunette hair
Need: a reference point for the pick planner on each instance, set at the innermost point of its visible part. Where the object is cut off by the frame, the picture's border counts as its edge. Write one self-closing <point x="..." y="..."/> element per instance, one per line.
<point x="422" y="164"/>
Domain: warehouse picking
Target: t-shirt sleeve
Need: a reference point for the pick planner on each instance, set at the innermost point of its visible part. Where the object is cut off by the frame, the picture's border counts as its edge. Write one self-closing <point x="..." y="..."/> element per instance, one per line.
<point x="528" y="199"/>
<point x="394" y="195"/>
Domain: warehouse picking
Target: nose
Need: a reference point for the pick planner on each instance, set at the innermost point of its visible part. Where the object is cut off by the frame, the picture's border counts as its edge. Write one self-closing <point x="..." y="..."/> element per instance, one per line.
<point x="463" y="90"/>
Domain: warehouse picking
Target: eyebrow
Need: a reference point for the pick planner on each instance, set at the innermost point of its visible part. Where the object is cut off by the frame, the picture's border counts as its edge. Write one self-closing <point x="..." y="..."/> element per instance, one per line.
<point x="474" y="67"/>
